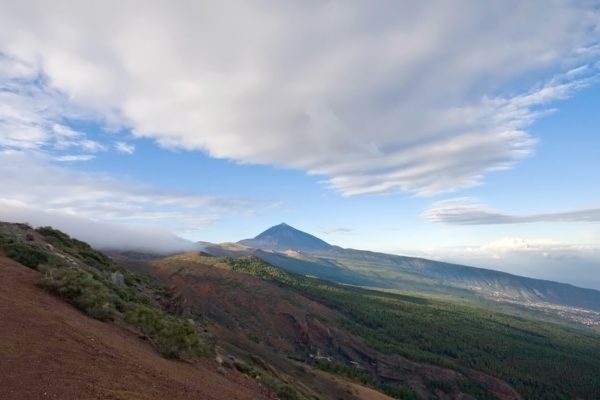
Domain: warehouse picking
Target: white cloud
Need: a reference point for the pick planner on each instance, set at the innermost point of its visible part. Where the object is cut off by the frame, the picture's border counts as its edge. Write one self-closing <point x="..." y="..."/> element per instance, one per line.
<point x="468" y="211"/>
<point x="405" y="96"/>
<point x="124" y="148"/>
<point x="33" y="115"/>
<point x="74" y="157"/>
<point x="31" y="182"/>
<point x="336" y="230"/>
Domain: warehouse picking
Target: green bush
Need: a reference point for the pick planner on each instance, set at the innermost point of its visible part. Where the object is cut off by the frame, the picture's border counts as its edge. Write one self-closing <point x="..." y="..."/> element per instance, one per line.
<point x="246" y="368"/>
<point x="174" y="337"/>
<point x="26" y="254"/>
<point x="81" y="289"/>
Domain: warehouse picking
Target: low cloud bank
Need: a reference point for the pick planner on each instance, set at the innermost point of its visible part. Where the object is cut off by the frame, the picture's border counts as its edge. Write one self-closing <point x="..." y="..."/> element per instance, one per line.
<point x="101" y="235"/>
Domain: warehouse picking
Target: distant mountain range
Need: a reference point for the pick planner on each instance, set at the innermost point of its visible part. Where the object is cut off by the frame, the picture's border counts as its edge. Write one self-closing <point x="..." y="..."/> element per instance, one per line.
<point x="302" y="253"/>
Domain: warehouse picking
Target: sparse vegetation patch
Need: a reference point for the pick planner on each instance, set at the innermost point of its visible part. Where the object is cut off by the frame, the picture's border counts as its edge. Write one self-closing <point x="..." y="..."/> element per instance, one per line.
<point x="90" y="281"/>
<point x="174" y="337"/>
<point x="82" y="290"/>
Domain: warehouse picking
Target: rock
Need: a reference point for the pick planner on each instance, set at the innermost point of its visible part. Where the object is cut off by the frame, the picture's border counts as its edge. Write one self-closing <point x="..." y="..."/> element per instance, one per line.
<point x="117" y="279"/>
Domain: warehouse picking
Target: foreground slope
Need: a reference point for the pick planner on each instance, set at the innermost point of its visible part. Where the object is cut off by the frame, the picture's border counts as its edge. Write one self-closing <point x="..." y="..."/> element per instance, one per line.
<point x="51" y="350"/>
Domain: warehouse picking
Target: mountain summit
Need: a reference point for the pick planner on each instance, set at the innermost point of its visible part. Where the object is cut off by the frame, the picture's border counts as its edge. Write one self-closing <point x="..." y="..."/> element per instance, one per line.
<point x="284" y="237"/>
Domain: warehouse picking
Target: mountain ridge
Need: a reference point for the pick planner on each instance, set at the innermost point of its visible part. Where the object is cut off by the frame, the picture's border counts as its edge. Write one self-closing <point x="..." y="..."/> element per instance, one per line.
<point x="388" y="271"/>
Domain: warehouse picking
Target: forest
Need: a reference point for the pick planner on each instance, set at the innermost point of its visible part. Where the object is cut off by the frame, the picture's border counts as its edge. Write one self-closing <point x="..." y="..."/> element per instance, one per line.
<point x="541" y="360"/>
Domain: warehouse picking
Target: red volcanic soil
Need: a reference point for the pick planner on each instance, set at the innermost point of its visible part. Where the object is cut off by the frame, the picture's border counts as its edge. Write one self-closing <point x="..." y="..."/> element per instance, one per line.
<point x="50" y="350"/>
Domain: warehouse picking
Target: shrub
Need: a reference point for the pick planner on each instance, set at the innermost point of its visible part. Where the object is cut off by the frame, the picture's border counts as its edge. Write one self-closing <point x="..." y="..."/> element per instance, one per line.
<point x="82" y="290"/>
<point x="26" y="254"/>
<point x="246" y="368"/>
<point x="174" y="337"/>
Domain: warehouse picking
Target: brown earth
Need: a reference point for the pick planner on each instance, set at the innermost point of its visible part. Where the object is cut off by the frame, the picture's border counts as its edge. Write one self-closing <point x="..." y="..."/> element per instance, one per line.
<point x="50" y="350"/>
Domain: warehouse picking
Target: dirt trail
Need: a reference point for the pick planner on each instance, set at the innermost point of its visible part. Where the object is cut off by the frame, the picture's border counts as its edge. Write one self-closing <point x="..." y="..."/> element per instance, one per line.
<point x="50" y="350"/>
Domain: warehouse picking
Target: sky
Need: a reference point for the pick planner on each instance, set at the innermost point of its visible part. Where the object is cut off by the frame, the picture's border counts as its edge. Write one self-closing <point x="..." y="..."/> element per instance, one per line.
<point x="462" y="131"/>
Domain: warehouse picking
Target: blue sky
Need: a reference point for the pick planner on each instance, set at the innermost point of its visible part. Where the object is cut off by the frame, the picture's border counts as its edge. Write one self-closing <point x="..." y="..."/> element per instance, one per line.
<point x="469" y="137"/>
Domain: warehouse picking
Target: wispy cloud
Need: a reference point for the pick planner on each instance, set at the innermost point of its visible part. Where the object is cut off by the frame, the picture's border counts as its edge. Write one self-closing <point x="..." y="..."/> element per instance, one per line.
<point x="336" y="230"/>
<point x="468" y="211"/>
<point x="406" y="96"/>
<point x="74" y="157"/>
<point x="33" y="182"/>
<point x="125" y="148"/>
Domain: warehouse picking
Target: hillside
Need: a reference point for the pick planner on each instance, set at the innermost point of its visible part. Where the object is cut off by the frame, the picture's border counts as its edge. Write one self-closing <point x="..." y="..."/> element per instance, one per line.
<point x="295" y="333"/>
<point x="52" y="350"/>
<point x="434" y="348"/>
